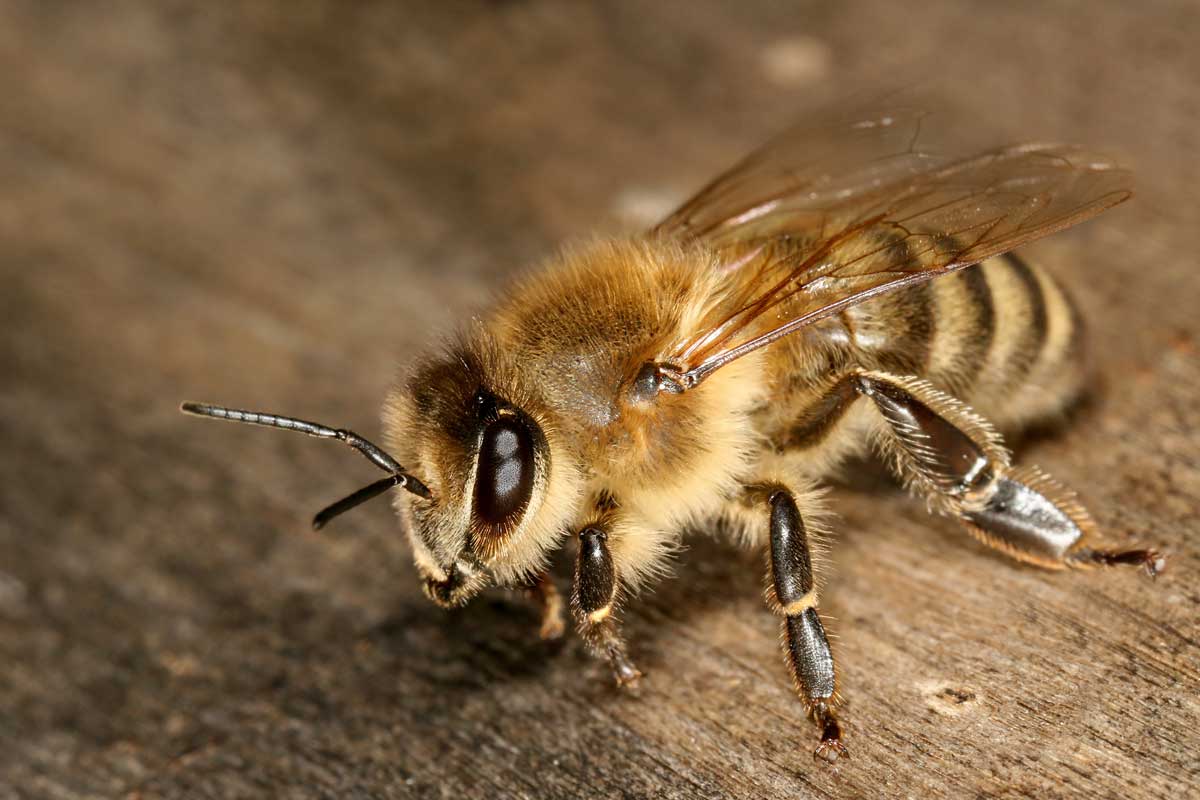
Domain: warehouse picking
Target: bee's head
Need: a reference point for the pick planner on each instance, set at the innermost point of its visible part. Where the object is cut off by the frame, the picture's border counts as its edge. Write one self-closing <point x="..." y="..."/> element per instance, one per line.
<point x="490" y="487"/>
<point x="501" y="484"/>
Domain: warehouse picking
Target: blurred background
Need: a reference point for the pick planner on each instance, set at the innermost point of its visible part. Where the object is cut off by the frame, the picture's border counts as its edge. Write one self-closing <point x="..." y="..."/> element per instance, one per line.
<point x="276" y="204"/>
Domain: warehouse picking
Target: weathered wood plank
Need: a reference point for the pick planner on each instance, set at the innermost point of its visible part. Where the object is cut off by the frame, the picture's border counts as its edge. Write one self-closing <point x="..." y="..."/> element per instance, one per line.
<point x="273" y="205"/>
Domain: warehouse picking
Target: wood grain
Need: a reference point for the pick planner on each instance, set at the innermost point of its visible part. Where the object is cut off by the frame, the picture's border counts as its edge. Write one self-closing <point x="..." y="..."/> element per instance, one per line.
<point x="275" y="205"/>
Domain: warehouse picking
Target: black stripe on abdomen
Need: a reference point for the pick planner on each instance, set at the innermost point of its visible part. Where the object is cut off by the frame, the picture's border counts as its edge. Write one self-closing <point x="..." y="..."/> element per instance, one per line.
<point x="1036" y="326"/>
<point x="895" y="331"/>
<point x="977" y="344"/>
<point x="908" y="350"/>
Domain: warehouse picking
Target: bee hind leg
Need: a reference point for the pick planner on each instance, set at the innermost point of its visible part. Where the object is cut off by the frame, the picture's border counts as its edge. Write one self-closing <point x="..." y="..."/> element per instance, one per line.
<point x="941" y="449"/>
<point x="593" y="601"/>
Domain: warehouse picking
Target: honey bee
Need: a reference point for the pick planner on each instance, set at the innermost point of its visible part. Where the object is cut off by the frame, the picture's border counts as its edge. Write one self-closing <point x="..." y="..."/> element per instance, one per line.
<point x="716" y="369"/>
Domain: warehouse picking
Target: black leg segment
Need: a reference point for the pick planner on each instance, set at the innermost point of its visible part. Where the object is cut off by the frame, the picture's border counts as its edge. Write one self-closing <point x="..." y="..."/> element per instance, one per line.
<point x="595" y="578"/>
<point x="593" y="599"/>
<point x="943" y="454"/>
<point x="944" y="451"/>
<point x="795" y="596"/>
<point x="808" y="654"/>
<point x="791" y="566"/>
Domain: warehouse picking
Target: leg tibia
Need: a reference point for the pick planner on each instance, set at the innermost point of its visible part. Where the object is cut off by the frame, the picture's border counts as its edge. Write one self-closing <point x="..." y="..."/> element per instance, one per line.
<point x="794" y="595"/>
<point x="791" y="563"/>
<point x="944" y="451"/>
<point x="595" y="578"/>
<point x="938" y="446"/>
<point x="593" y="599"/>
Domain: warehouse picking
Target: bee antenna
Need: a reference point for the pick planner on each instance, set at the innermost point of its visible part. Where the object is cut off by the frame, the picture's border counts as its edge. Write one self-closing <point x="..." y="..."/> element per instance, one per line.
<point x="372" y="452"/>
<point x="356" y="499"/>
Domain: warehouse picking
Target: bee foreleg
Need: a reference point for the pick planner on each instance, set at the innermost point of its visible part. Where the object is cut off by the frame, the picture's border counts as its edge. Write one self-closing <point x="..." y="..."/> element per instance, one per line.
<point x="793" y="594"/>
<point x="543" y="590"/>
<point x="943" y="450"/>
<point x="593" y="600"/>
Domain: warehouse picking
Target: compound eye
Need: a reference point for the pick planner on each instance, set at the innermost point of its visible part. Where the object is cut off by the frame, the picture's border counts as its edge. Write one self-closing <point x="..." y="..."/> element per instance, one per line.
<point x="504" y="479"/>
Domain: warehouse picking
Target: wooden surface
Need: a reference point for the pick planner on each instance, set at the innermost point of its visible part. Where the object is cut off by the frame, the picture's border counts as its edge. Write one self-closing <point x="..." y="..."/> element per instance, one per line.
<point x="273" y="205"/>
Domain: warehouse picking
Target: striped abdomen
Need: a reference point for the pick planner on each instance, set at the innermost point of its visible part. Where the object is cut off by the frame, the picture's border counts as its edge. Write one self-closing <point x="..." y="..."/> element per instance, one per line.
<point x="1002" y="336"/>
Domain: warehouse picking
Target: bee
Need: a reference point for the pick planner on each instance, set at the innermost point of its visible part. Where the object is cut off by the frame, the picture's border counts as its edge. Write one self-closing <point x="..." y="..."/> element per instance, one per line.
<point x="717" y="369"/>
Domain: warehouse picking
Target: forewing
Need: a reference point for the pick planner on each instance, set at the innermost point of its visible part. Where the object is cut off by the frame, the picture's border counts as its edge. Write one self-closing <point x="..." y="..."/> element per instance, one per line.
<point x="834" y="155"/>
<point x="818" y="242"/>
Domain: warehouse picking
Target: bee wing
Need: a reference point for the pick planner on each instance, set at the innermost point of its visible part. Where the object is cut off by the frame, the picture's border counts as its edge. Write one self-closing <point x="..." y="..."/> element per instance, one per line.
<point x="844" y="153"/>
<point x="879" y="214"/>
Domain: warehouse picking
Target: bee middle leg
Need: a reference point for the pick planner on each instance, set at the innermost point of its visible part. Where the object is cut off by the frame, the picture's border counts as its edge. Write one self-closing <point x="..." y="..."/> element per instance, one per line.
<point x="792" y="594"/>
<point x="944" y="451"/>
<point x="593" y="600"/>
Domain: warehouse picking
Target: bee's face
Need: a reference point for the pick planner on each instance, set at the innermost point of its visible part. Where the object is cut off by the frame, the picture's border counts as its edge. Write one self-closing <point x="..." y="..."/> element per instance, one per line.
<point x="491" y="468"/>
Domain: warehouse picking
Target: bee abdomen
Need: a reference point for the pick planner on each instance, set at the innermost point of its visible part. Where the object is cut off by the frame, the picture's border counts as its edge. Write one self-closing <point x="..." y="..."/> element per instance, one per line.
<point x="1008" y="341"/>
<point x="1001" y="336"/>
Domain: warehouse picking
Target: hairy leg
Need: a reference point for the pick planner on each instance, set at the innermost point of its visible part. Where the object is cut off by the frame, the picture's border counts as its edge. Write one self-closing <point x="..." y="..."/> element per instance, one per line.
<point x="594" y="599"/>
<point x="546" y="594"/>
<point x="945" y="452"/>
<point x="776" y="513"/>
